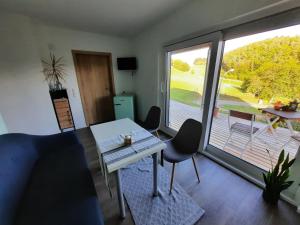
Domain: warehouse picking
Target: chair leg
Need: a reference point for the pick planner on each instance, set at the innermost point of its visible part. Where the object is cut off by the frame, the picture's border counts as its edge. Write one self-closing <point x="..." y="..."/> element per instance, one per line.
<point x="196" y="168"/>
<point x="157" y="135"/>
<point x="172" y="178"/>
<point x="162" y="157"/>
<point x="227" y="140"/>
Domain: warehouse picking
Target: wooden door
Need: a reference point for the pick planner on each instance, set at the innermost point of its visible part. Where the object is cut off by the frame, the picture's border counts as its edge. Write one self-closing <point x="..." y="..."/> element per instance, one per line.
<point x="95" y="80"/>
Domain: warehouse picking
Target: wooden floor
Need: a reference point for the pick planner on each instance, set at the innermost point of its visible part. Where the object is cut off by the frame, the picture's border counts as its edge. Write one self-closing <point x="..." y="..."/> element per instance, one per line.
<point x="256" y="155"/>
<point x="227" y="198"/>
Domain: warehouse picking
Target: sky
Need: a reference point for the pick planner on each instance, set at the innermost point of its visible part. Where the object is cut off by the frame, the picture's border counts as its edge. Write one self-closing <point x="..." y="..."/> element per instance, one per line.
<point x="190" y="56"/>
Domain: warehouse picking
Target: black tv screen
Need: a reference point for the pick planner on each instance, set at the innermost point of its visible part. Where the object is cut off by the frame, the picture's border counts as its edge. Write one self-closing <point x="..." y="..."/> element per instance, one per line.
<point x="126" y="63"/>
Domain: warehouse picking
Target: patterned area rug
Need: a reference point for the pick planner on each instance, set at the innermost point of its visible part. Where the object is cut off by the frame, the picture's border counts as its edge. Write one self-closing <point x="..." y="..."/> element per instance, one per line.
<point x="177" y="208"/>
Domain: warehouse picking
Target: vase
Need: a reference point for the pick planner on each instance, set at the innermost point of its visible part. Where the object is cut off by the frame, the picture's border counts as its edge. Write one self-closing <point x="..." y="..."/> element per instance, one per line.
<point x="216" y="111"/>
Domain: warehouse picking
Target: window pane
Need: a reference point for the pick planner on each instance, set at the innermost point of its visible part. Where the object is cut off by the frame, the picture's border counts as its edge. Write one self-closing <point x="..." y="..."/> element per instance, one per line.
<point x="187" y="81"/>
<point x="258" y="72"/>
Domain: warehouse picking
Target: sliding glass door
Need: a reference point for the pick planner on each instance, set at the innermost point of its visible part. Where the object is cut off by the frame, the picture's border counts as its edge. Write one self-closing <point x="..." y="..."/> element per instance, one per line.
<point x="186" y="84"/>
<point x="259" y="72"/>
<point x="191" y="82"/>
<point x="231" y="81"/>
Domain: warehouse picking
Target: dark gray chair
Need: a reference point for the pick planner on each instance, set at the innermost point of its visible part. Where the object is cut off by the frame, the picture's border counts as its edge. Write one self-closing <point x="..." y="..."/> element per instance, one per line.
<point x="184" y="145"/>
<point x="152" y="120"/>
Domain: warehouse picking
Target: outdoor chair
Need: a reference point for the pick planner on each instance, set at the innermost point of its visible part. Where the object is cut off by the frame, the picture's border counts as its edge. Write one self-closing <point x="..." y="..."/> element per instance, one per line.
<point x="183" y="146"/>
<point x="247" y="130"/>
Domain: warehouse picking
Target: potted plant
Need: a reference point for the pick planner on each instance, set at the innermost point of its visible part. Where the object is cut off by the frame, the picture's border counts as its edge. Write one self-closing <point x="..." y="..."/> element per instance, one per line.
<point x="54" y="72"/>
<point x="216" y="111"/>
<point x="276" y="178"/>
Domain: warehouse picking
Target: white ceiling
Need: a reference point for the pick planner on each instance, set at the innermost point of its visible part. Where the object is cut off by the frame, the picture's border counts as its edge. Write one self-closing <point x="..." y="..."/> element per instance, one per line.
<point x="116" y="17"/>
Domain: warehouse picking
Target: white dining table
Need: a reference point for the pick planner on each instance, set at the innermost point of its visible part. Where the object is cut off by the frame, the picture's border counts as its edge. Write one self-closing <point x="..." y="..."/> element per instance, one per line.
<point x="114" y="155"/>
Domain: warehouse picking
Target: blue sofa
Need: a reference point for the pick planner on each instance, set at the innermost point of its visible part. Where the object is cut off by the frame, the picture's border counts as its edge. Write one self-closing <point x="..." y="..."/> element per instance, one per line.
<point x="44" y="180"/>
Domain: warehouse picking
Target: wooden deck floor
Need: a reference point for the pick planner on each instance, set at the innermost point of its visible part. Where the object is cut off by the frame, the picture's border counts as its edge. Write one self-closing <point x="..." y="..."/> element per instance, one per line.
<point x="257" y="155"/>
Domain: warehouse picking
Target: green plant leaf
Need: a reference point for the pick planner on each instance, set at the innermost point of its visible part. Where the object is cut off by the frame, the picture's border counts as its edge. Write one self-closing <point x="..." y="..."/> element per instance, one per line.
<point x="281" y="157"/>
<point x="286" y="185"/>
<point x="276" y="170"/>
<point x="284" y="176"/>
<point x="265" y="179"/>
<point x="291" y="163"/>
<point x="285" y="163"/>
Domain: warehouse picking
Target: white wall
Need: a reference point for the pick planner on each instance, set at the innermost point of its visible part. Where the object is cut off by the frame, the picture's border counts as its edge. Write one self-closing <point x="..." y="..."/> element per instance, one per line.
<point x="62" y="41"/>
<point x="24" y="98"/>
<point x="3" y="129"/>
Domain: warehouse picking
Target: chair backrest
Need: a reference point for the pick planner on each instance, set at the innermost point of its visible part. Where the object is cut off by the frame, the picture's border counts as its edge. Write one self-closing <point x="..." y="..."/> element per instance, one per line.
<point x="188" y="137"/>
<point x="241" y="115"/>
<point x="153" y="118"/>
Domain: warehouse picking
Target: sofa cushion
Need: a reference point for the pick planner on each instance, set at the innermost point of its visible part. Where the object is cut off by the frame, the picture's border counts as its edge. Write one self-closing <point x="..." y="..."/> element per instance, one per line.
<point x="60" y="191"/>
<point x="17" y="158"/>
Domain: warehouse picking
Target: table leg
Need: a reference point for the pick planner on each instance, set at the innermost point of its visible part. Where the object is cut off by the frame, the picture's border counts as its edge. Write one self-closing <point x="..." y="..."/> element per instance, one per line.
<point x="155" y="177"/>
<point x="101" y="164"/>
<point x="120" y="194"/>
<point x="289" y="125"/>
<point x="271" y="125"/>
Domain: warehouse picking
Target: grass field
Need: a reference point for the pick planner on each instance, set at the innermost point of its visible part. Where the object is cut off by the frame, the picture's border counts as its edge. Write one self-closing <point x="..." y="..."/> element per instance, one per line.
<point x="187" y="87"/>
<point x="240" y="108"/>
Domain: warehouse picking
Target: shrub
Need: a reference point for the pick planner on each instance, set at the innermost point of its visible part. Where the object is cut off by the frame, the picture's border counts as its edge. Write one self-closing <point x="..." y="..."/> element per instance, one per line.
<point x="180" y="65"/>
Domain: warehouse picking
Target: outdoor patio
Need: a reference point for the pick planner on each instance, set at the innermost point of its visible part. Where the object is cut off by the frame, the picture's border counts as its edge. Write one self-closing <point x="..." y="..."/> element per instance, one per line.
<point x="257" y="155"/>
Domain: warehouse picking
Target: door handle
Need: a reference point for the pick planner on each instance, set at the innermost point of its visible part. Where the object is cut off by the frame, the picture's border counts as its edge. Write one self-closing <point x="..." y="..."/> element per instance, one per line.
<point x="117" y="104"/>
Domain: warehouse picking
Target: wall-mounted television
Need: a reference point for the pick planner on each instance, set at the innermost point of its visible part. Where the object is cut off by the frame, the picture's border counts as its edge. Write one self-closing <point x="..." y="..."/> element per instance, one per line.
<point x="128" y="63"/>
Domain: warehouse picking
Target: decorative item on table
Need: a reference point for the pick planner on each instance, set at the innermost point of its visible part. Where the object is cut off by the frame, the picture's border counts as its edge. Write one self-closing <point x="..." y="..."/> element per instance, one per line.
<point x="276" y="178"/>
<point x="291" y="107"/>
<point x="278" y="105"/>
<point x="127" y="140"/>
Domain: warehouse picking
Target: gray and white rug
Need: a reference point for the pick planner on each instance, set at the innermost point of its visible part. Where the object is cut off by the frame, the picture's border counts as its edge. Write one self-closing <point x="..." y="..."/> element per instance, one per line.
<point x="177" y="208"/>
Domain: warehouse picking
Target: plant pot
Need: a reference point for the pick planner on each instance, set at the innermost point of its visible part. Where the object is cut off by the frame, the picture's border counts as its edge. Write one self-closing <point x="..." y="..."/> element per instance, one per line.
<point x="271" y="197"/>
<point x="216" y="111"/>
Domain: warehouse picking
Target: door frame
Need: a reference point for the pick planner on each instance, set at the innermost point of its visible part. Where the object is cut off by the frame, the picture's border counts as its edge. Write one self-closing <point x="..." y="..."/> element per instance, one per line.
<point x="111" y="75"/>
<point x="211" y="80"/>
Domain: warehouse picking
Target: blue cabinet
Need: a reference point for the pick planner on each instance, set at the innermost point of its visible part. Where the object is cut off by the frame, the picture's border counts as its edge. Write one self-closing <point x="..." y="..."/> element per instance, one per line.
<point x="124" y="107"/>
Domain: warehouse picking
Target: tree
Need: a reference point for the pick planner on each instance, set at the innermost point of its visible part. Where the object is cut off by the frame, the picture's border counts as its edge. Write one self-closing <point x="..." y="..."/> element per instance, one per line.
<point x="200" y="61"/>
<point x="180" y="65"/>
<point x="267" y="68"/>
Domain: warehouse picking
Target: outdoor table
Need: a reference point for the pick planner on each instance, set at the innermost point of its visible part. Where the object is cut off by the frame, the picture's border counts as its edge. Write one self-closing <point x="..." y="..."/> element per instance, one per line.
<point x="283" y="115"/>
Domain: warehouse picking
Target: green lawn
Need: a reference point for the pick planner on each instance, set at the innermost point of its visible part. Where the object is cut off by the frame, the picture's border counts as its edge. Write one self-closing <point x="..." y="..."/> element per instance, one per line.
<point x="184" y="96"/>
<point x="187" y="87"/>
<point x="240" y="108"/>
